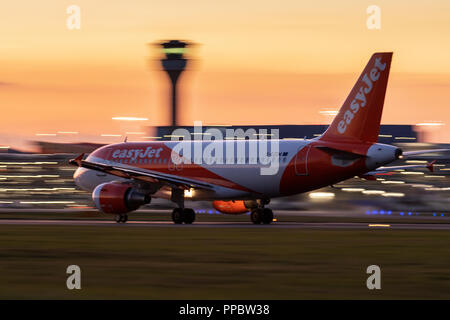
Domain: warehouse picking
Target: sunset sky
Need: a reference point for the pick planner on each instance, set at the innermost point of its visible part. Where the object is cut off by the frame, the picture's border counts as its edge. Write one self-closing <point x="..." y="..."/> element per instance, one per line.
<point x="256" y="62"/>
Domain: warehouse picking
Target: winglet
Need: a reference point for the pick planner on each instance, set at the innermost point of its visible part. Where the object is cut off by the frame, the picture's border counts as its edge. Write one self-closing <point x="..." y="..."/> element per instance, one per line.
<point x="77" y="160"/>
<point x="430" y="166"/>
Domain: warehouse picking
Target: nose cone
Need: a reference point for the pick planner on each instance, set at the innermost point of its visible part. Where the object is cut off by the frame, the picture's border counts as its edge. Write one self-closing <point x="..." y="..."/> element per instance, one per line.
<point x="85" y="179"/>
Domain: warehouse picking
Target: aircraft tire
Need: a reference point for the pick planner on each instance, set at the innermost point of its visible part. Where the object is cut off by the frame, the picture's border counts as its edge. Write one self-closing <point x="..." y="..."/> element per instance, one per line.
<point x="256" y="215"/>
<point x="178" y="216"/>
<point x="267" y="216"/>
<point x="189" y="216"/>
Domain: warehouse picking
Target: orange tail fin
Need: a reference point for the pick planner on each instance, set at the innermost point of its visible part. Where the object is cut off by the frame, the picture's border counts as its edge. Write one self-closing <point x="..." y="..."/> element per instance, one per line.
<point x="359" y="118"/>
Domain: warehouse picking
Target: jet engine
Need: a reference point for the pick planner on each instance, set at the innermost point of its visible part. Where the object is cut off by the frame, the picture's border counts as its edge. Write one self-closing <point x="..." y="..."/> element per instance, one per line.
<point x="118" y="198"/>
<point x="231" y="207"/>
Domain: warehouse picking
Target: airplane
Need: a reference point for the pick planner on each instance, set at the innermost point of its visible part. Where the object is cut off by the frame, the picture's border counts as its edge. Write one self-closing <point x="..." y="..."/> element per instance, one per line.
<point x="125" y="176"/>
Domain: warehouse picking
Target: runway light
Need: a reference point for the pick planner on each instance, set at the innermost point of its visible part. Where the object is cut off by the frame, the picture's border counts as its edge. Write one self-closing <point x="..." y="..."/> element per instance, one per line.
<point x="46" y="202"/>
<point x="353" y="189"/>
<point x="392" y="182"/>
<point x="402" y="213"/>
<point x="373" y="192"/>
<point x="321" y="195"/>
<point x="434" y="176"/>
<point x="411" y="172"/>
<point x="129" y="118"/>
<point x="393" y="194"/>
<point x="380" y="225"/>
<point x="274" y="220"/>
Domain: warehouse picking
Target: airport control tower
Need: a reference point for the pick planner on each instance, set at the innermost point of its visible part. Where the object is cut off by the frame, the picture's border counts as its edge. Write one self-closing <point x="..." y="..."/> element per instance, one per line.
<point x="174" y="64"/>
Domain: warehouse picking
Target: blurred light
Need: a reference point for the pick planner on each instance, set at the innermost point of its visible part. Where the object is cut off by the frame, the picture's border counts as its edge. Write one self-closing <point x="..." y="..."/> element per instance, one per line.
<point x="329" y="112"/>
<point x="151" y="137"/>
<point x="434" y="176"/>
<point x="46" y="134"/>
<point x="4" y="147"/>
<point x="189" y="193"/>
<point x="129" y="118"/>
<point x="411" y="172"/>
<point x="385" y="135"/>
<point x="29" y="163"/>
<point x="430" y="124"/>
<point x="110" y="135"/>
<point x="173" y="136"/>
<point x="274" y="220"/>
<point x="380" y="225"/>
<point x="373" y="192"/>
<point x="46" y="202"/>
<point x="353" y="189"/>
<point x="405" y="138"/>
<point x="421" y="185"/>
<point x="321" y="195"/>
<point x="37" y="176"/>
<point x="402" y="213"/>
<point x="393" y="194"/>
<point x="416" y="161"/>
<point x="136" y="133"/>
<point x="393" y="182"/>
<point x="68" y="132"/>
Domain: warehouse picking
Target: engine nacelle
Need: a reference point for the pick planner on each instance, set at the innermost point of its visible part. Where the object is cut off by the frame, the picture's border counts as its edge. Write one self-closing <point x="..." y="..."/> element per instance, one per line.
<point x="231" y="207"/>
<point x="118" y="198"/>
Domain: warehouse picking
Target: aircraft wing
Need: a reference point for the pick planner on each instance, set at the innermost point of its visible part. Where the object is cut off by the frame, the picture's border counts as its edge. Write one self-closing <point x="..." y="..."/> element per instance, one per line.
<point x="143" y="175"/>
<point x="429" y="166"/>
<point x="413" y="153"/>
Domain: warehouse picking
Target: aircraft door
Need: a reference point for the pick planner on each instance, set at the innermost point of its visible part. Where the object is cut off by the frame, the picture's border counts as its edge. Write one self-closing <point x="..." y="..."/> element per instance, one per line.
<point x="301" y="160"/>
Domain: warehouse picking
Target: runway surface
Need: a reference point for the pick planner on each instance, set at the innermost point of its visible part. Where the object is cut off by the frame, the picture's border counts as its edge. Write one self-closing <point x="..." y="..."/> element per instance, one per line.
<point x="296" y="225"/>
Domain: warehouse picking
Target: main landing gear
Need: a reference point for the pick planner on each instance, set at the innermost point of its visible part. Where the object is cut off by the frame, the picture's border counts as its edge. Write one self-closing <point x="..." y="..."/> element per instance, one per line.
<point x="180" y="215"/>
<point x="121" y="218"/>
<point x="261" y="215"/>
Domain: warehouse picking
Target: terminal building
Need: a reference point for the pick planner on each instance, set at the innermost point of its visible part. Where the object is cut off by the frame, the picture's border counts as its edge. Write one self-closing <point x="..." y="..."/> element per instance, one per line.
<point x="389" y="134"/>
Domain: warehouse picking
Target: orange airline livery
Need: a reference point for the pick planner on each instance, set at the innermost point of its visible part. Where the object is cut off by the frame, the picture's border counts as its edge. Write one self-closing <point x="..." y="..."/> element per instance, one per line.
<point x="230" y="172"/>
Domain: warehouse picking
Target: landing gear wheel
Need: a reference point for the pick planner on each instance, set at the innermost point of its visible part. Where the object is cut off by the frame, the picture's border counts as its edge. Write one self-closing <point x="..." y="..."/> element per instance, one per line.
<point x="178" y="216"/>
<point x="256" y="215"/>
<point x="267" y="216"/>
<point x="118" y="218"/>
<point x="124" y="218"/>
<point x="189" y="216"/>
